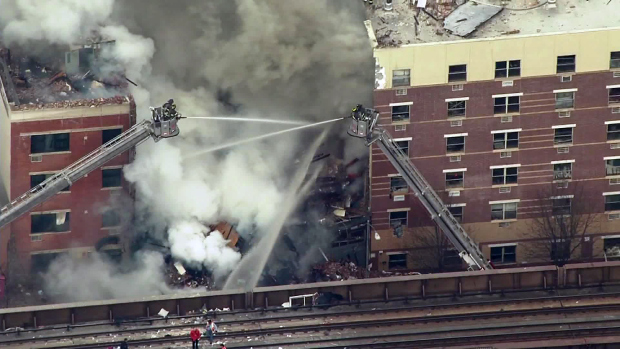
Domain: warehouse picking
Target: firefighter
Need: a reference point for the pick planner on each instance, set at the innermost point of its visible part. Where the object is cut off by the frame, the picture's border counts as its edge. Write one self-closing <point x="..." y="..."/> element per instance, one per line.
<point x="357" y="111"/>
<point x="170" y="110"/>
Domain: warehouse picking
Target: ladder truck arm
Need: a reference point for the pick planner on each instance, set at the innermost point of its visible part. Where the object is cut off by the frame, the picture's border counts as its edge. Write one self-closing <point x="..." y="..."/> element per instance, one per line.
<point x="364" y="125"/>
<point x="162" y="125"/>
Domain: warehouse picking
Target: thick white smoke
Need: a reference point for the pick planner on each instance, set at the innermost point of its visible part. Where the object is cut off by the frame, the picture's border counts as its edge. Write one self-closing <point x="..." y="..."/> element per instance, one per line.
<point x="305" y="60"/>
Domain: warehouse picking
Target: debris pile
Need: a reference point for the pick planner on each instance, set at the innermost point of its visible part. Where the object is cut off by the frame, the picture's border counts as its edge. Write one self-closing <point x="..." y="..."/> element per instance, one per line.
<point x="191" y="279"/>
<point x="337" y="271"/>
<point x="91" y="103"/>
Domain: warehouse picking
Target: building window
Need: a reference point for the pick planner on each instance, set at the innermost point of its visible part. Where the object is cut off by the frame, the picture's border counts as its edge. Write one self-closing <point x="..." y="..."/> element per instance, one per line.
<point x="612" y="167"/>
<point x="506" y="105"/>
<point x="400" y="113"/>
<point x="457" y="212"/>
<point x="566" y="64"/>
<point x="455" y="144"/>
<point x="561" y="206"/>
<point x="40" y="178"/>
<point x="403" y="146"/>
<point x="455" y="180"/>
<point x="108" y="135"/>
<point x="40" y="262"/>
<point x="506" y="140"/>
<point x="504" y="211"/>
<point x="612" y="202"/>
<point x="50" y="222"/>
<point x="457" y="73"/>
<point x="507" y="69"/>
<point x="503" y="176"/>
<point x="112" y="178"/>
<point x="397" y="183"/>
<point x="50" y="143"/>
<point x="613" y="132"/>
<point x="563" y="135"/>
<point x="614" y="95"/>
<point x="504" y="254"/>
<point x="397" y="261"/>
<point x="456" y="108"/>
<point x="401" y="77"/>
<point x="564" y="100"/>
<point x="110" y="218"/>
<point x="398" y="219"/>
<point x="563" y="171"/>
<point x="614" y="61"/>
<point x="611" y="247"/>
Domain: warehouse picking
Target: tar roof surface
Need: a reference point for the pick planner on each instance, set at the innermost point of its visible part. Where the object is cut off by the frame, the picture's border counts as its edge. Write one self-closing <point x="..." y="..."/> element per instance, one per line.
<point x="522" y="17"/>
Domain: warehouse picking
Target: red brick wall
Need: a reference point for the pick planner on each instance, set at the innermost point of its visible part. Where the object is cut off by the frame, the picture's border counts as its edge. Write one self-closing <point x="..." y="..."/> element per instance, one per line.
<point x="429" y="123"/>
<point x="86" y="196"/>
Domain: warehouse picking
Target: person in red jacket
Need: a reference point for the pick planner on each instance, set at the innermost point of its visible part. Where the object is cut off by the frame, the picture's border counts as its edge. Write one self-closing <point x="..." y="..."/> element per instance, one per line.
<point x="195" y="335"/>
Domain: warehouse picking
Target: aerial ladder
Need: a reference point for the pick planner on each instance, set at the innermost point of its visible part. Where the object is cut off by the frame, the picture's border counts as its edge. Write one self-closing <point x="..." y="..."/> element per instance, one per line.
<point x="163" y="124"/>
<point x="364" y="125"/>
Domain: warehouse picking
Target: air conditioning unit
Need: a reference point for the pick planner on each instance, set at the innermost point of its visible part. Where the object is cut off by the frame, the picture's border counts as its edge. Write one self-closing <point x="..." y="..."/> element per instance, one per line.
<point x="563" y="150"/>
<point x="36" y="158"/>
<point x="504" y="224"/>
<point x="401" y="92"/>
<point x="613" y="216"/>
<point x="36" y="238"/>
<point x="456" y="123"/>
<point x="457" y="87"/>
<point x="454" y="193"/>
<point x="400" y="127"/>
<point x="614" y="146"/>
<point x="505" y="154"/>
<point x="566" y="78"/>
<point x="616" y="74"/>
<point x="615" y="110"/>
<point x="614" y="181"/>
<point x="399" y="198"/>
<point x="506" y="119"/>
<point x="455" y="158"/>
<point x="564" y="114"/>
<point x="504" y="190"/>
<point x="508" y="83"/>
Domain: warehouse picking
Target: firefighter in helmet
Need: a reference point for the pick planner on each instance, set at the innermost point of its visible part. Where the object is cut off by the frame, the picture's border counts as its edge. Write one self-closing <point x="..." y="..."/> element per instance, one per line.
<point x="169" y="110"/>
<point x="358" y="112"/>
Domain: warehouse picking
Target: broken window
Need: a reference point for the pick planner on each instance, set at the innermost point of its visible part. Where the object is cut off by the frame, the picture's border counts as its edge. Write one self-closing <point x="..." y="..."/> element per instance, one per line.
<point x="503" y="176"/>
<point x="455" y="144"/>
<point x="39" y="262"/>
<point x="50" y="222"/>
<point x="614" y="95"/>
<point x="504" y="211"/>
<point x="614" y="61"/>
<point x="400" y="113"/>
<point x="108" y="135"/>
<point x="612" y="202"/>
<point x="507" y="69"/>
<point x="561" y="206"/>
<point x="507" y="104"/>
<point x="397" y="261"/>
<point x="563" y="135"/>
<point x="504" y="254"/>
<point x="112" y="178"/>
<point x="564" y="100"/>
<point x="506" y="140"/>
<point x="457" y="73"/>
<point x="401" y="77"/>
<point x="403" y="146"/>
<point x="566" y="64"/>
<point x="457" y="212"/>
<point x="563" y="171"/>
<point x="613" y="132"/>
<point x="398" y="219"/>
<point x="397" y="183"/>
<point x="49" y="143"/>
<point x="455" y="180"/>
<point x="456" y="108"/>
<point x="40" y="178"/>
<point x="110" y="218"/>
<point x="612" y="167"/>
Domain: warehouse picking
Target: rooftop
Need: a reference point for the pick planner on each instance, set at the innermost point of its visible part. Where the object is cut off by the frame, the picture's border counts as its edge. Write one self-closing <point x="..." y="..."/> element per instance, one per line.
<point x="32" y="84"/>
<point x="452" y="20"/>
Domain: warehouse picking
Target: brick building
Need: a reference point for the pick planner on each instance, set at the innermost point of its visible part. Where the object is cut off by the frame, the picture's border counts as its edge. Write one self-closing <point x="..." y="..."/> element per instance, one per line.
<point x="516" y="107"/>
<point x="48" y="120"/>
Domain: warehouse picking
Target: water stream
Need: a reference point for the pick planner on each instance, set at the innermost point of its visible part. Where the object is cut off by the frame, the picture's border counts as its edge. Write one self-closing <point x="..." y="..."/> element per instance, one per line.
<point x="268" y="121"/>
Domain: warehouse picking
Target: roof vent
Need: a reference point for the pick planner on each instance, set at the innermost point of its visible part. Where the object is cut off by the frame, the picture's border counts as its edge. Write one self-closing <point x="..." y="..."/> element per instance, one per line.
<point x="551" y="4"/>
<point x="388" y="5"/>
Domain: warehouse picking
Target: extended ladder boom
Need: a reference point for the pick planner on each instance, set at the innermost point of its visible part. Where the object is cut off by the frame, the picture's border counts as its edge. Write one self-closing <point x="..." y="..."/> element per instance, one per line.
<point x="363" y="126"/>
<point x="158" y="128"/>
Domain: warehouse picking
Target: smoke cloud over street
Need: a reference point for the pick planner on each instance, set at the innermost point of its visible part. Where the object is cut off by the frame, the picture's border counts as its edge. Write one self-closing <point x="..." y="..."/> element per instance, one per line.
<point x="292" y="60"/>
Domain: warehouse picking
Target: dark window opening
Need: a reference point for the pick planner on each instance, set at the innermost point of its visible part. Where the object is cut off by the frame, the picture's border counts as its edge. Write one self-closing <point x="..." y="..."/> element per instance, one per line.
<point x="40" y="178"/>
<point x="398" y="183"/>
<point x="398" y="219"/>
<point x="505" y="105"/>
<point x="397" y="261"/>
<point x="455" y="144"/>
<point x="507" y="69"/>
<point x="403" y="146"/>
<point x="110" y="218"/>
<point x="40" y="262"/>
<point x="108" y="135"/>
<point x="112" y="178"/>
<point x="613" y="132"/>
<point x="612" y="202"/>
<point x="561" y="206"/>
<point x="457" y="73"/>
<point x="503" y="176"/>
<point x="50" y="222"/>
<point x="508" y="140"/>
<point x="504" y="254"/>
<point x="455" y="180"/>
<point x="50" y="143"/>
<point x="563" y="135"/>
<point x="457" y="213"/>
<point x="614" y="61"/>
<point x="400" y="113"/>
<point x="566" y="64"/>
<point x="456" y="108"/>
<point x="614" y="95"/>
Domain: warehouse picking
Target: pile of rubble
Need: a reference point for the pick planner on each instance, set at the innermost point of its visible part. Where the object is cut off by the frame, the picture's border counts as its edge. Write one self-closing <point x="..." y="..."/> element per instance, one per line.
<point x="336" y="271"/>
<point x="178" y="277"/>
<point x="92" y="103"/>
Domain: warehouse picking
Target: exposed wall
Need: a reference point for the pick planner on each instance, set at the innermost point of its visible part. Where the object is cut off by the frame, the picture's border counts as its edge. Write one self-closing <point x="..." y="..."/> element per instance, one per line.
<point x="538" y="53"/>
<point x="5" y="147"/>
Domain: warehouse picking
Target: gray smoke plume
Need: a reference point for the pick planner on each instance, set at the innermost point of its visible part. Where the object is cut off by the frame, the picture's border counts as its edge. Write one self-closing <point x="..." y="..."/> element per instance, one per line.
<point x="301" y="60"/>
